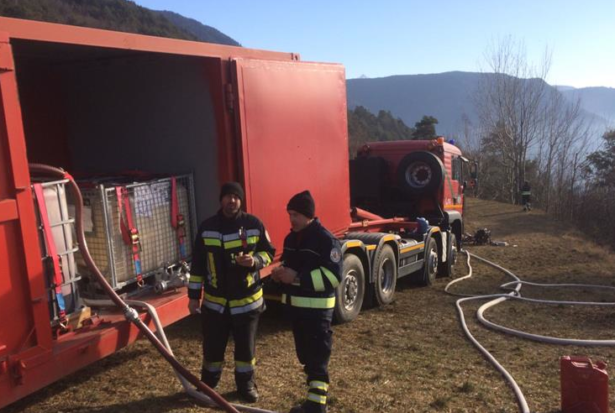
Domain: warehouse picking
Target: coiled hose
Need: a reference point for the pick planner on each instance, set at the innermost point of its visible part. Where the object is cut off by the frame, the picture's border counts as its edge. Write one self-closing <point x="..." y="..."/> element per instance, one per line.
<point x="130" y="313"/>
<point x="516" y="295"/>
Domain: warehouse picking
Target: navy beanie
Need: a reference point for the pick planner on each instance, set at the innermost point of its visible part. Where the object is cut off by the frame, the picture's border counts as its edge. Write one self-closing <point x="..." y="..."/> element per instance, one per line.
<point x="232" y="188"/>
<point x="302" y="203"/>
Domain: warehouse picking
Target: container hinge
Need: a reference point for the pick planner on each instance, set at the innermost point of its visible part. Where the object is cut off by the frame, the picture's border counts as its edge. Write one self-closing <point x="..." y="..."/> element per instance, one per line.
<point x="229" y="97"/>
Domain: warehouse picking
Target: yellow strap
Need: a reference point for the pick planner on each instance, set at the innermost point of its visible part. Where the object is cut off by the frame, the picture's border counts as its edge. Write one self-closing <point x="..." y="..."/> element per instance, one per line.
<point x="237" y="243"/>
<point x="332" y="278"/>
<point x="320" y="385"/>
<point x="212" y="269"/>
<point x="245" y="363"/>
<point x="266" y="257"/>
<point x="317" y="398"/>
<point x="247" y="300"/>
<point x="309" y="302"/>
<point x="214" y="299"/>
<point x="232" y="244"/>
<point x="317" y="280"/>
<point x="213" y="366"/>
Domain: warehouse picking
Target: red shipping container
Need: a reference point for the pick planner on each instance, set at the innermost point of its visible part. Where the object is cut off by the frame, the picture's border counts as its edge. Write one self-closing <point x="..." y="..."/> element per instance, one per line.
<point x="585" y="385"/>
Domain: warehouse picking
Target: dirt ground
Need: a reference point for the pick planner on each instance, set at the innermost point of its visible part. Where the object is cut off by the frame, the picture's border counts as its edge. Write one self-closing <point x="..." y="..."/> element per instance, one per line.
<point x="410" y="356"/>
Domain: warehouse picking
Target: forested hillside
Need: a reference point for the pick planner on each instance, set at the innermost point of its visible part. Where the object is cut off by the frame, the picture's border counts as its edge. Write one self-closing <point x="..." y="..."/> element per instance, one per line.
<point x="364" y="126"/>
<point x="119" y="15"/>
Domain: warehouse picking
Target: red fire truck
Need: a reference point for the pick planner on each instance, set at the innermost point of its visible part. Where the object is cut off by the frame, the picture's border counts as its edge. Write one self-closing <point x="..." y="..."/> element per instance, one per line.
<point x="101" y="103"/>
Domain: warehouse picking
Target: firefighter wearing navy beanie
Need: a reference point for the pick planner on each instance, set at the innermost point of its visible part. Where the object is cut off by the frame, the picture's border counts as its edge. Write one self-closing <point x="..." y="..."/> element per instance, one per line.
<point x="311" y="271"/>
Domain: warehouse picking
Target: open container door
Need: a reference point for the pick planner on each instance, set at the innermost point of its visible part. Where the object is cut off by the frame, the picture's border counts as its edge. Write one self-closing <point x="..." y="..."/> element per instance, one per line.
<point x="292" y="125"/>
<point x="25" y="332"/>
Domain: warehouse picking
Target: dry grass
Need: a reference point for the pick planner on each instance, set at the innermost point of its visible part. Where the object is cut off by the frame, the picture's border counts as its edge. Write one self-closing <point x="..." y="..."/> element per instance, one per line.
<point x="410" y="356"/>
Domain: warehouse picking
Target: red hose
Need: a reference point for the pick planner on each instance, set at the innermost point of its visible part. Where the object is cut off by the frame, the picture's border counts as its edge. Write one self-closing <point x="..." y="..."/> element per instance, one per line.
<point x="363" y="214"/>
<point x="129" y="312"/>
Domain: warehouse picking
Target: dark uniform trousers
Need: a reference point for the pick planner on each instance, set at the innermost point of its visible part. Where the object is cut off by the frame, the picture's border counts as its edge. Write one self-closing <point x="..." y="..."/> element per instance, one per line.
<point x="216" y="331"/>
<point x="316" y="256"/>
<point x="313" y="341"/>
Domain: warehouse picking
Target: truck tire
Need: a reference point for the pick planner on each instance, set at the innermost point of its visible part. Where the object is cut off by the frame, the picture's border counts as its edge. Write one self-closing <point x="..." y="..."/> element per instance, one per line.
<point x="447" y="269"/>
<point x="349" y="295"/>
<point x="430" y="264"/>
<point x="382" y="290"/>
<point x="420" y="172"/>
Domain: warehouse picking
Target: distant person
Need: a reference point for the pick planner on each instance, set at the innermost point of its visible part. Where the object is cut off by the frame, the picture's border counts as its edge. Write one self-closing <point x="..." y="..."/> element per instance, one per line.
<point x="312" y="261"/>
<point x="230" y="249"/>
<point x="526" y="195"/>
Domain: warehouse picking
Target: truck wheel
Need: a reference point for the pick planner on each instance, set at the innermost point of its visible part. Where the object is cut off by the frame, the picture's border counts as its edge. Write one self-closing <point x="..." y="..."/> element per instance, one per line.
<point x="385" y="277"/>
<point x="420" y="172"/>
<point x="447" y="269"/>
<point x="430" y="265"/>
<point x="349" y="294"/>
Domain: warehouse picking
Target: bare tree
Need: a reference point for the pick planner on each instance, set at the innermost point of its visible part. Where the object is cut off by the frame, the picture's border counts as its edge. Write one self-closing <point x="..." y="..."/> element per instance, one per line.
<point x="561" y="148"/>
<point x="509" y="101"/>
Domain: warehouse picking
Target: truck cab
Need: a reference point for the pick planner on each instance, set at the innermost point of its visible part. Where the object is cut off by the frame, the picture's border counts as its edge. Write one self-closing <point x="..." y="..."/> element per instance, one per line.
<point x="411" y="179"/>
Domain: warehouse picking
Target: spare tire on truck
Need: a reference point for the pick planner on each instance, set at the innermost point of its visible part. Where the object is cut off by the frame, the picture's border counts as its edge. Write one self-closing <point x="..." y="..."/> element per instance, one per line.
<point x="420" y="172"/>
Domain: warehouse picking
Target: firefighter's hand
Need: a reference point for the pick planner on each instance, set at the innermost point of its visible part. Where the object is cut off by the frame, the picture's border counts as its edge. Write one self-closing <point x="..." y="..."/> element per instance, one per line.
<point x="245" y="260"/>
<point x="194" y="306"/>
<point x="275" y="272"/>
<point x="286" y="275"/>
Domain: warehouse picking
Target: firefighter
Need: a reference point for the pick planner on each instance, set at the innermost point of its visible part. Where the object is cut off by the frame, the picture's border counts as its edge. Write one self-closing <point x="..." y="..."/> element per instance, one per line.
<point x="309" y="275"/>
<point x="526" y="194"/>
<point x="230" y="249"/>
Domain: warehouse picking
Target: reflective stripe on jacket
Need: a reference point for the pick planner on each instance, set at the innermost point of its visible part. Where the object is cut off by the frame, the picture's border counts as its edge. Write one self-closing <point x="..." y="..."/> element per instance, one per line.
<point x="316" y="256"/>
<point x="215" y="270"/>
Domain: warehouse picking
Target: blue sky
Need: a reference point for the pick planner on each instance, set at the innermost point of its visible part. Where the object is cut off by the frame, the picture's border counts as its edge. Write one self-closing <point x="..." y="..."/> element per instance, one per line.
<point x="394" y="37"/>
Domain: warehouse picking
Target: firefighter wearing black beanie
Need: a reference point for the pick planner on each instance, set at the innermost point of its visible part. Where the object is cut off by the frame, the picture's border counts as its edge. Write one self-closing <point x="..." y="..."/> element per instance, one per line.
<point x="229" y="251"/>
<point x="232" y="188"/>
<point x="311" y="271"/>
<point x="302" y="203"/>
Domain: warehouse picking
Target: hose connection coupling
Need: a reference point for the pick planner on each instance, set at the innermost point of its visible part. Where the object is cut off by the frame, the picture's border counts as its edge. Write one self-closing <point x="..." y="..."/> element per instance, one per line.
<point x="131" y="314"/>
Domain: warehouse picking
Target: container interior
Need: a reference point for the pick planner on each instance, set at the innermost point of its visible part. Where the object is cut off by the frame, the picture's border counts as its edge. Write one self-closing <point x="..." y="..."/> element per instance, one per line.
<point x="95" y="110"/>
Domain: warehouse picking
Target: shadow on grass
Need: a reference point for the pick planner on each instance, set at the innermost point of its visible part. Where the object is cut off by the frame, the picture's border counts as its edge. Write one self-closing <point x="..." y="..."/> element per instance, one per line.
<point x="160" y="404"/>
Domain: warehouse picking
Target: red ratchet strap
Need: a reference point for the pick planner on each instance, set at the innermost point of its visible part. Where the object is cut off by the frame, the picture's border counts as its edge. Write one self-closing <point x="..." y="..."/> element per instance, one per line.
<point x="243" y="236"/>
<point x="130" y="233"/>
<point x="177" y="220"/>
<point x="52" y="253"/>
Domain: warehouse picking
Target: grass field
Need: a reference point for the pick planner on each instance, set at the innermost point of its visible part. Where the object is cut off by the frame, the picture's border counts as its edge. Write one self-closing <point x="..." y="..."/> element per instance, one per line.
<point x="410" y="356"/>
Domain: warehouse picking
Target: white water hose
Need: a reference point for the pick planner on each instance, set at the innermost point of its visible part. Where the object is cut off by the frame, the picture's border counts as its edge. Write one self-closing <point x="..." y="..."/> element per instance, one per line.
<point x="162" y="336"/>
<point x="515" y="295"/>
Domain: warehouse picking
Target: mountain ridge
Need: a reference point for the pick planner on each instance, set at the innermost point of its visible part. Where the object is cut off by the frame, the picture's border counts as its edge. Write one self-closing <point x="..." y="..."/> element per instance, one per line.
<point x="449" y="97"/>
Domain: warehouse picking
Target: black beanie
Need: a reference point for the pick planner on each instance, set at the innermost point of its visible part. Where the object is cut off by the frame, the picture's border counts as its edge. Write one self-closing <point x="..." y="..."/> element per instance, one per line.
<point x="302" y="203"/>
<point x="233" y="188"/>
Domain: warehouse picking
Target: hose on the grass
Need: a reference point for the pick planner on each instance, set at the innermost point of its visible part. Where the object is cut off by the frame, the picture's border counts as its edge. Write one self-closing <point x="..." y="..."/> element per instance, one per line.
<point x="516" y="295"/>
<point x="163" y="338"/>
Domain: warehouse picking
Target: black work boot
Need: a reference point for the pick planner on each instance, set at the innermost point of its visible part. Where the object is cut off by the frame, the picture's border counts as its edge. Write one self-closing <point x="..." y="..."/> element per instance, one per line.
<point x="248" y="391"/>
<point x="309" y="407"/>
<point x="210" y="379"/>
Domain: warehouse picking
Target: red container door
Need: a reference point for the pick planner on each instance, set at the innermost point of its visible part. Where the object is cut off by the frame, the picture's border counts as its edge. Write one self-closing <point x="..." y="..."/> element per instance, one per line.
<point x="292" y="123"/>
<point x="25" y="330"/>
